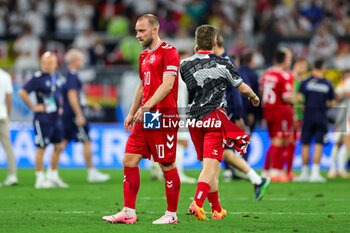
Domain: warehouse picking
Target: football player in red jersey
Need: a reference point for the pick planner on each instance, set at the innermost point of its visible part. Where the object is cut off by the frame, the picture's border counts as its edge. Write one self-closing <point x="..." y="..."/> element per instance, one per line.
<point x="156" y="94"/>
<point x="277" y="99"/>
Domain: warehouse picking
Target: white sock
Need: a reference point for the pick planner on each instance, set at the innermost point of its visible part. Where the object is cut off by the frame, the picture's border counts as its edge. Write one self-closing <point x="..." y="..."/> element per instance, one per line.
<point x="274" y="172"/>
<point x="172" y="214"/>
<point x="304" y="170"/>
<point x="39" y="175"/>
<point x="343" y="159"/>
<point x="334" y="156"/>
<point x="91" y="169"/>
<point x="315" y="169"/>
<point x="129" y="211"/>
<point x="54" y="173"/>
<point x="180" y="151"/>
<point x="254" y="177"/>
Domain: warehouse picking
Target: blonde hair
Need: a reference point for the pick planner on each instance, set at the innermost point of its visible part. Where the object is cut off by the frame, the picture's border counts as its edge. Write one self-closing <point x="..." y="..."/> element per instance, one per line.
<point x="73" y="54"/>
<point x="152" y="20"/>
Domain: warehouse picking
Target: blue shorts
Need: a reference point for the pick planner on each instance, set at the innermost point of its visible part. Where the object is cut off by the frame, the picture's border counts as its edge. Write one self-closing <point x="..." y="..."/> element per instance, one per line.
<point x="314" y="129"/>
<point x="47" y="132"/>
<point x="72" y="132"/>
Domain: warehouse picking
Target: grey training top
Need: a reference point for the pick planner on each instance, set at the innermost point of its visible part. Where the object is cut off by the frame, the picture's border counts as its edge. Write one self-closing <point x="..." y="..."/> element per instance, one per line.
<point x="206" y="77"/>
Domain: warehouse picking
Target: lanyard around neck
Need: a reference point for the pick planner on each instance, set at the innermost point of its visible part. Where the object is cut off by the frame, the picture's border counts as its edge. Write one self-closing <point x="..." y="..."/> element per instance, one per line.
<point x="53" y="82"/>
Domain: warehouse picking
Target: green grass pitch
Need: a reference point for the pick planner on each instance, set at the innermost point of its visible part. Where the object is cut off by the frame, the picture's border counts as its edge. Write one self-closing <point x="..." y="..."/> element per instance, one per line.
<point x="292" y="207"/>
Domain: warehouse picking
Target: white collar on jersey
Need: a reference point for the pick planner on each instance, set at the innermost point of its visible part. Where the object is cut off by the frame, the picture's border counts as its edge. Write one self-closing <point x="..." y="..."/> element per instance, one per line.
<point x="155" y="48"/>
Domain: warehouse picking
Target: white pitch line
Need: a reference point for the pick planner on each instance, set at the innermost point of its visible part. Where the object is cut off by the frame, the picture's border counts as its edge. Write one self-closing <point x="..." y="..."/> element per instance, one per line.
<point x="292" y="213"/>
<point x="221" y="198"/>
<point x="156" y="212"/>
<point x="250" y="199"/>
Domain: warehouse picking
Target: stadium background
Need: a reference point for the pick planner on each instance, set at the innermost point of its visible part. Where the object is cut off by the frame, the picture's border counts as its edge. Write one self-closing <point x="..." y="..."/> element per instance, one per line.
<point x="104" y="30"/>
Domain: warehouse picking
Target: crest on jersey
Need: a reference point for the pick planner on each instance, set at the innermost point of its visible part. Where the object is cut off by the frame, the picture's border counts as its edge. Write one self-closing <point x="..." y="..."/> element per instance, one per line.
<point x="152" y="59"/>
<point x="48" y="83"/>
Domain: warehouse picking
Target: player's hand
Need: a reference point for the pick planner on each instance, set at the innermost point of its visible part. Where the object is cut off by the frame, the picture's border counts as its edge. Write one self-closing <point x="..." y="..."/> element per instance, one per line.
<point x="128" y="123"/>
<point x="80" y="120"/>
<point x="40" y="108"/>
<point x="60" y="111"/>
<point x="255" y="100"/>
<point x="138" y="116"/>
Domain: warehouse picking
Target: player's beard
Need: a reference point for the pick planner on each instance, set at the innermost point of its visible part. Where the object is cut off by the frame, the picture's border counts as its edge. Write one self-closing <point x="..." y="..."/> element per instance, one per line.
<point x="146" y="43"/>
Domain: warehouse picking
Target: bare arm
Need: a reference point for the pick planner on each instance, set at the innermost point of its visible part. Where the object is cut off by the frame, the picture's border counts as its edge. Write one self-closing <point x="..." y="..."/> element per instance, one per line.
<point x="8" y="103"/>
<point x="137" y="100"/>
<point x="300" y="98"/>
<point x="246" y="91"/>
<point x="25" y="97"/>
<point x="347" y="94"/>
<point x="331" y="103"/>
<point x="288" y="100"/>
<point x="162" y="91"/>
<point x="75" y="105"/>
<point x="74" y="102"/>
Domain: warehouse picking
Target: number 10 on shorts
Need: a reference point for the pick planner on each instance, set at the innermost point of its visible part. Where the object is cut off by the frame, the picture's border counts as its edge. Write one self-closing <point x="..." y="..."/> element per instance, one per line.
<point x="160" y="150"/>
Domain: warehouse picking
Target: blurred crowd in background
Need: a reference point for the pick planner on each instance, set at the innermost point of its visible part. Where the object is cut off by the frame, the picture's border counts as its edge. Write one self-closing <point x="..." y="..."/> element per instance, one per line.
<point x="104" y="31"/>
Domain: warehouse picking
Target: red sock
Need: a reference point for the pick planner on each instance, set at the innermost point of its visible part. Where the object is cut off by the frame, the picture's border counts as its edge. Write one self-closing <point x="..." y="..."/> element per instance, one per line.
<point x="131" y="186"/>
<point x="276" y="157"/>
<point x="291" y="151"/>
<point x="213" y="199"/>
<point x="201" y="193"/>
<point x="267" y="164"/>
<point x="172" y="189"/>
<point x="284" y="150"/>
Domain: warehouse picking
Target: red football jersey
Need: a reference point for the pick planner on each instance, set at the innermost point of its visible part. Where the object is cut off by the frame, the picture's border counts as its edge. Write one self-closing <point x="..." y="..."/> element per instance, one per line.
<point x="276" y="84"/>
<point x="153" y="64"/>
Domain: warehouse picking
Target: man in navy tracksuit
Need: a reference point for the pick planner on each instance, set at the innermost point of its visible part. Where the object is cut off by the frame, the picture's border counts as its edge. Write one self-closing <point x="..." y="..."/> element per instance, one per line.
<point x="47" y="123"/>
<point x="317" y="94"/>
<point x="76" y="126"/>
<point x="249" y="76"/>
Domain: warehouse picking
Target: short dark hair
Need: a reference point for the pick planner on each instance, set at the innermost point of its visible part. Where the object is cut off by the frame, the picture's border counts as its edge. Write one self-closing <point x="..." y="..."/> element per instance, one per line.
<point x="206" y="35"/>
<point x="279" y="56"/>
<point x="318" y="63"/>
<point x="152" y="19"/>
<point x="220" y="41"/>
<point x="246" y="58"/>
